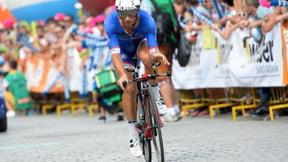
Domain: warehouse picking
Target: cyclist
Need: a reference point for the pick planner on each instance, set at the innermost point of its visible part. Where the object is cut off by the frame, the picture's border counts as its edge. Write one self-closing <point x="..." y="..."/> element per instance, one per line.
<point x="132" y="32"/>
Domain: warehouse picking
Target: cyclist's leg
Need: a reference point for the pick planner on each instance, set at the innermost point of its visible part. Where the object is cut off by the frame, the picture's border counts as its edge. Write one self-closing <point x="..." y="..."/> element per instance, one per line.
<point x="129" y="99"/>
<point x="129" y="107"/>
<point x="129" y="95"/>
<point x="167" y="89"/>
<point x="145" y="57"/>
<point x="127" y="53"/>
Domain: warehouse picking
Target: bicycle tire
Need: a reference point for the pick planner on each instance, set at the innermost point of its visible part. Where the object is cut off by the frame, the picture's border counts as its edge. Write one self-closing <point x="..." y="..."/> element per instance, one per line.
<point x="157" y="139"/>
<point x="147" y="150"/>
<point x="142" y="122"/>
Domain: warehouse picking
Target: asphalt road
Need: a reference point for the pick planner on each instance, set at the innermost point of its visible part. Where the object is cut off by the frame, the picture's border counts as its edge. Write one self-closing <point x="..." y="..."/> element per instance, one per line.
<point x="81" y="138"/>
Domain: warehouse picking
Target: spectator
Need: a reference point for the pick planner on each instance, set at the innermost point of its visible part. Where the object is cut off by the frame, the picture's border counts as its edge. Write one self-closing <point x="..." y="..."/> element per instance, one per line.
<point x="68" y="21"/>
<point x="258" y="13"/>
<point x="50" y="34"/>
<point x="98" y="30"/>
<point x="16" y="83"/>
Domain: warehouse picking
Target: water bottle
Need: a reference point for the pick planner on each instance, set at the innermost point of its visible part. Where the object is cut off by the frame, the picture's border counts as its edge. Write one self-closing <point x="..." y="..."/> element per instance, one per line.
<point x="256" y="33"/>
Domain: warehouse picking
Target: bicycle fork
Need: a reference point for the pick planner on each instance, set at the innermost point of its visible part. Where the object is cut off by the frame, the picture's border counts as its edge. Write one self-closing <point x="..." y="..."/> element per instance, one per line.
<point x="148" y="132"/>
<point x="145" y="129"/>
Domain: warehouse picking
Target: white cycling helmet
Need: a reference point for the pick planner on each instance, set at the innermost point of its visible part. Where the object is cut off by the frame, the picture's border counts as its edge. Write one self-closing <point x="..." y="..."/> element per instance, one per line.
<point x="127" y="7"/>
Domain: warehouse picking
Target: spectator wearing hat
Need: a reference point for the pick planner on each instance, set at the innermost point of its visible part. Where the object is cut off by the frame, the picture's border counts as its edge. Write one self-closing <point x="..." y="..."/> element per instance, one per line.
<point x="99" y="28"/>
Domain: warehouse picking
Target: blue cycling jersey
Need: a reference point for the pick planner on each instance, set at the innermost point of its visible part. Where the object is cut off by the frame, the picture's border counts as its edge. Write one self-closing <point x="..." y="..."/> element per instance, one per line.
<point x="127" y="44"/>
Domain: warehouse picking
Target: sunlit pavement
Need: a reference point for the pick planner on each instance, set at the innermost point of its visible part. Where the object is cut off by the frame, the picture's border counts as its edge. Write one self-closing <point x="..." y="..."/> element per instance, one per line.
<point x="82" y="138"/>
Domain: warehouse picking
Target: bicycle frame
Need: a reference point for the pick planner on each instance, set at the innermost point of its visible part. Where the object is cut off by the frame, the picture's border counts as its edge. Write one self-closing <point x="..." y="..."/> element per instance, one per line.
<point x="143" y="107"/>
<point x="148" y="119"/>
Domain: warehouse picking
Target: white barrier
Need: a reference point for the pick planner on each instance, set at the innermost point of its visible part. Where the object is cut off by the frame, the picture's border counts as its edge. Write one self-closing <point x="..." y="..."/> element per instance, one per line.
<point x="238" y="63"/>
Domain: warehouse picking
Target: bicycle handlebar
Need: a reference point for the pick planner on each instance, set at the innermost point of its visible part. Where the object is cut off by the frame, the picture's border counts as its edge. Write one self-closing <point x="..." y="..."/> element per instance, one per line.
<point x="153" y="65"/>
<point x="145" y="78"/>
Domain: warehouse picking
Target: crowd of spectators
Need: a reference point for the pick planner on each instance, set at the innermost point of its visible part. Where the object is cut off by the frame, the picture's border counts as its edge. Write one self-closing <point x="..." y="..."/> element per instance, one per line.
<point x="49" y="38"/>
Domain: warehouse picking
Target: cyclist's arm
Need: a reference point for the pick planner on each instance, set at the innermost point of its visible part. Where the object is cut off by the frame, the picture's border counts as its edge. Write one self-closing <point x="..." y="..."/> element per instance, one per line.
<point x="114" y="46"/>
<point x="118" y="64"/>
<point x="153" y="45"/>
<point x="151" y="37"/>
<point x="117" y="60"/>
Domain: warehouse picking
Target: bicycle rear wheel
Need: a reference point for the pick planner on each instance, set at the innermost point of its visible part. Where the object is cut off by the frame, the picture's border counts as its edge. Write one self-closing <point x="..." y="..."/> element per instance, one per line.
<point x="141" y="124"/>
<point x="156" y="132"/>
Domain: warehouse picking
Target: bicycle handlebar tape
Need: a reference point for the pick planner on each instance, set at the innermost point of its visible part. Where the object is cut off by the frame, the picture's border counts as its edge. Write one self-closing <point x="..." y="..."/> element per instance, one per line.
<point x="201" y="16"/>
<point x="279" y="3"/>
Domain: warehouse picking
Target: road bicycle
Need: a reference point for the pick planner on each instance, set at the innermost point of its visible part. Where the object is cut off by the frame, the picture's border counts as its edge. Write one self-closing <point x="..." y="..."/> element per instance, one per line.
<point x="148" y="120"/>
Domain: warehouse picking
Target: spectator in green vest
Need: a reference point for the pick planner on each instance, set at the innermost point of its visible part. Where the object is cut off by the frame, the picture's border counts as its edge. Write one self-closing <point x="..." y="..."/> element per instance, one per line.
<point x="16" y="83"/>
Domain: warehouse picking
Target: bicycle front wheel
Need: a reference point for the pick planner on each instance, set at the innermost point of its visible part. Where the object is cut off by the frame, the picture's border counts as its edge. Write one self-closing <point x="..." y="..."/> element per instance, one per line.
<point x="147" y="149"/>
<point x="156" y="132"/>
<point x="141" y="124"/>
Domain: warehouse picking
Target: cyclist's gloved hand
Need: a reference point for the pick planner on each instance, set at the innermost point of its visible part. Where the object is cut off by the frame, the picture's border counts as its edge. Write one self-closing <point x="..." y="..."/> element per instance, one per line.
<point x="157" y="56"/>
<point x="122" y="79"/>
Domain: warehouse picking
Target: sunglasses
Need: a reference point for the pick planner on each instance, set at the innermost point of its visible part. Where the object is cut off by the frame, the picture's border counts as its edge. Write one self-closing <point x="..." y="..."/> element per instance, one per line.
<point x="242" y="14"/>
<point x="126" y="13"/>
